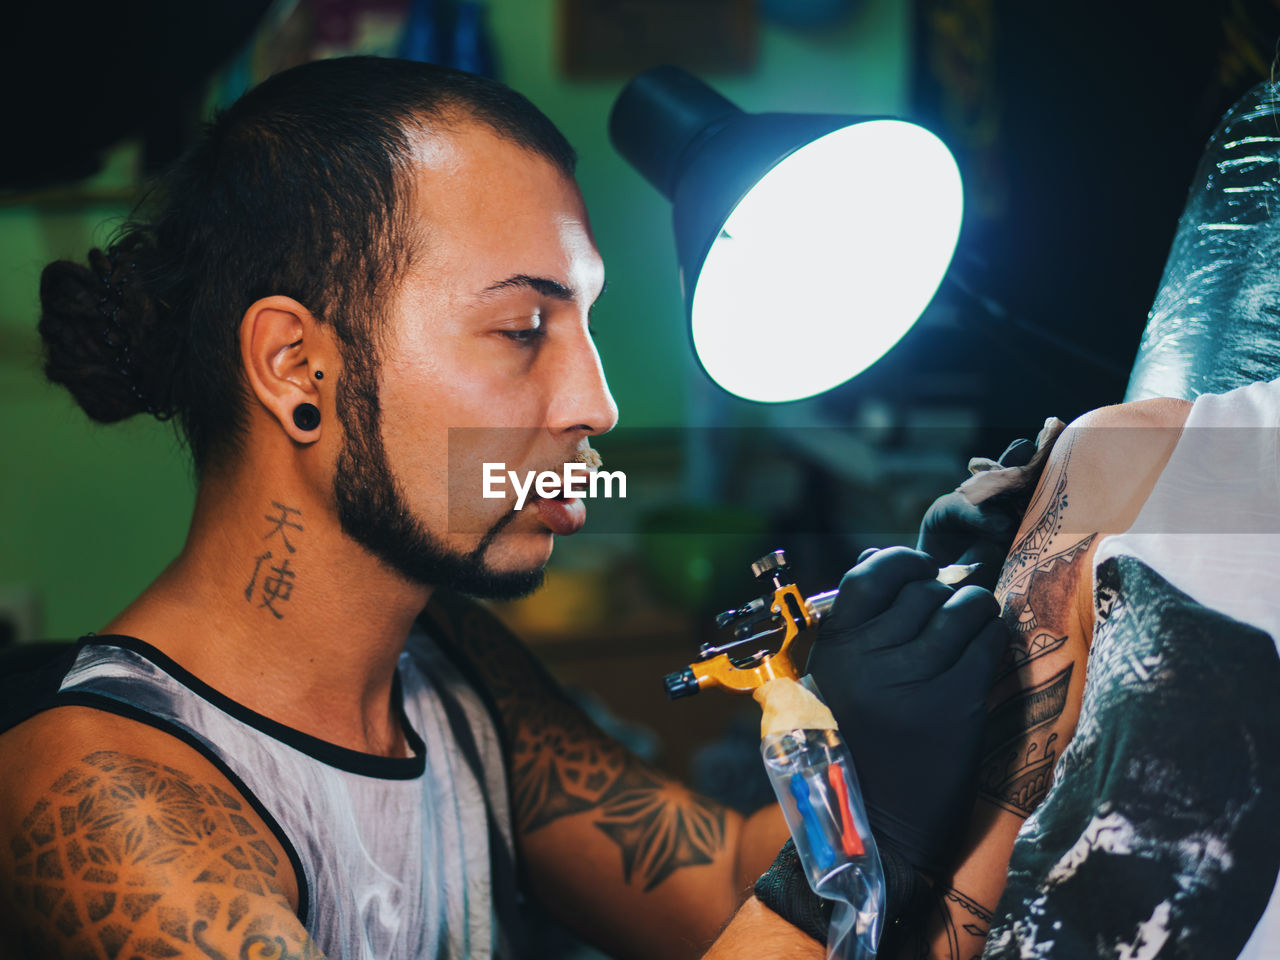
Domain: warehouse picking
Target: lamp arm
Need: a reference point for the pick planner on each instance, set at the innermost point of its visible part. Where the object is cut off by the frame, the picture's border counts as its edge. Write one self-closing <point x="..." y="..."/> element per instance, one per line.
<point x="1000" y="323"/>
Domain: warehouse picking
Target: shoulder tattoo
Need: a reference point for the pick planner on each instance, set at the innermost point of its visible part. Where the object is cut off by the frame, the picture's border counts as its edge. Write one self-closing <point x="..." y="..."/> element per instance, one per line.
<point x="101" y="867"/>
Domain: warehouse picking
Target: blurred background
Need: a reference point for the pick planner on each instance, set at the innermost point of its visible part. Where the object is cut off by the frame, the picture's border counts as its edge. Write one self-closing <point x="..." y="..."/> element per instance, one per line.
<point x="1077" y="129"/>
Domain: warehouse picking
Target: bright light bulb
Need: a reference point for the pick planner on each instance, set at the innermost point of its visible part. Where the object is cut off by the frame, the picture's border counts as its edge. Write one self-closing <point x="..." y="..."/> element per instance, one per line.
<point x="828" y="261"/>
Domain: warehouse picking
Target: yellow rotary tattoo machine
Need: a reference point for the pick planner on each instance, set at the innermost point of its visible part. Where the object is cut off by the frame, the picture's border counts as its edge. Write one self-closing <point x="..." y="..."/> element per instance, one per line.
<point x="741" y="664"/>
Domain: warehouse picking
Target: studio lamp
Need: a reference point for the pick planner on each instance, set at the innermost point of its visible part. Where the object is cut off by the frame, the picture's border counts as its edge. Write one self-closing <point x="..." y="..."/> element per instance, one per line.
<point x="808" y="243"/>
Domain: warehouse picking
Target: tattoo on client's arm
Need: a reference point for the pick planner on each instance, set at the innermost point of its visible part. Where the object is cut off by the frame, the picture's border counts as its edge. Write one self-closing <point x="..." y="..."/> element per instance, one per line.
<point x="1025" y="730"/>
<point x="1021" y="746"/>
<point x="976" y="920"/>
<point x="951" y="927"/>
<point x="1037" y="589"/>
<point x="104" y="865"/>
<point x="1029" y="697"/>
<point x="562" y="764"/>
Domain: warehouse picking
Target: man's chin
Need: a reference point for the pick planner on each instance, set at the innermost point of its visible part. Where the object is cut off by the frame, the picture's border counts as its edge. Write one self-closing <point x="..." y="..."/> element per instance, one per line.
<point x="372" y="511"/>
<point x="472" y="573"/>
<point x="487" y="584"/>
<point x="419" y="558"/>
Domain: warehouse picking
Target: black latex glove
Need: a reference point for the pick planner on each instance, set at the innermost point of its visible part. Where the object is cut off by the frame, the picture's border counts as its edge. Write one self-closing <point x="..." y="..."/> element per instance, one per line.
<point x="905" y="664"/>
<point x="976" y="522"/>
<point x="784" y="889"/>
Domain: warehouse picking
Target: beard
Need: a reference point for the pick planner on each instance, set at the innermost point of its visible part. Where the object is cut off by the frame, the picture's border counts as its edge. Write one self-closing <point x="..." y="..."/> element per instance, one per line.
<point x="373" y="511"/>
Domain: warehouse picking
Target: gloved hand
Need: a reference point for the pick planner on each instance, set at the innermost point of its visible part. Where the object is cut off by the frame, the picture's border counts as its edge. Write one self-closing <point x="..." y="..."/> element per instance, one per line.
<point x="905" y="664"/>
<point x="976" y="522"/>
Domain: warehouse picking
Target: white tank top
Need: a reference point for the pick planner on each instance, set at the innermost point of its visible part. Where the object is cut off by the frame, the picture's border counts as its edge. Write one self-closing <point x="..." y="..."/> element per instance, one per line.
<point x="392" y="855"/>
<point x="1160" y="835"/>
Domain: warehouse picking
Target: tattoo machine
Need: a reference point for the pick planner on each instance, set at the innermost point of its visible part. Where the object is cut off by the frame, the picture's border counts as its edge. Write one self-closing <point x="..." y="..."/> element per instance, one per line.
<point x="804" y="755"/>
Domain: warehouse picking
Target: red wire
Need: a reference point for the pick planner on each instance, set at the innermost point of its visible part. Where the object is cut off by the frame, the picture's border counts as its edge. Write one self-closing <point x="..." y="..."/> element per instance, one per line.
<point x="849" y="839"/>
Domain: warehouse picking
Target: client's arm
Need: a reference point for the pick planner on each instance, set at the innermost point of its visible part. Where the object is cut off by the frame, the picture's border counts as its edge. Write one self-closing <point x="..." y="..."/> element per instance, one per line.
<point x="1099" y="475"/>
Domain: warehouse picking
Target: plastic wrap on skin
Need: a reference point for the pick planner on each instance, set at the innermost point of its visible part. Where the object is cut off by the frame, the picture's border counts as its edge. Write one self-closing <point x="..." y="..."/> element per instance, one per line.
<point x="1215" y="324"/>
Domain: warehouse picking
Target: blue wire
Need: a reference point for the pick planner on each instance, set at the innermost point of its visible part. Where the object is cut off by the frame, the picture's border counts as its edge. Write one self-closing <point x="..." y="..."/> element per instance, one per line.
<point x="822" y="851"/>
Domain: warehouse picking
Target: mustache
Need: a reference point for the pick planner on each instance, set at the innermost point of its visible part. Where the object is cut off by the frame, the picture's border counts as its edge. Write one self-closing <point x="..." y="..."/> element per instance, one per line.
<point x="590" y="456"/>
<point x="585" y="454"/>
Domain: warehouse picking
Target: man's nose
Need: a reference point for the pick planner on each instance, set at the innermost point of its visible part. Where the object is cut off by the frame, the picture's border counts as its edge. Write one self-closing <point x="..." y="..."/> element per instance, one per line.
<point x="582" y="400"/>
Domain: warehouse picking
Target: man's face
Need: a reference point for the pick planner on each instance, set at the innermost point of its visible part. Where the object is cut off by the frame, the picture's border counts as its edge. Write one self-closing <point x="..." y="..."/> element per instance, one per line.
<point x="488" y="328"/>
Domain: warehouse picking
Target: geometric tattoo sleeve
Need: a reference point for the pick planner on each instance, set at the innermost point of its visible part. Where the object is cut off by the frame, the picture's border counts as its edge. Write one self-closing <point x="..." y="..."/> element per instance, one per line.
<point x="105" y="863"/>
<point x="562" y="764"/>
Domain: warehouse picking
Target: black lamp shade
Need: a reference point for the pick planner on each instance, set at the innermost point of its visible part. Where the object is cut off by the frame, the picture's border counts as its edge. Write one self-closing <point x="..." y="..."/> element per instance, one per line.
<point x="786" y="228"/>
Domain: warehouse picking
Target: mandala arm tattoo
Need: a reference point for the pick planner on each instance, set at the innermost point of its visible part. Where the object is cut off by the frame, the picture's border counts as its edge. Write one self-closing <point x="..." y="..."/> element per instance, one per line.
<point x="1037" y="588"/>
<point x="1048" y="505"/>
<point x="562" y="764"/>
<point x="125" y="857"/>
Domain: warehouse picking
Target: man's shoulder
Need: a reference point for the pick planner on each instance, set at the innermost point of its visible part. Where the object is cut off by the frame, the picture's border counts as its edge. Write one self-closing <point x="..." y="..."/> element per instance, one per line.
<point x="40" y="751"/>
<point x="37" y="751"/>
<point x="103" y="818"/>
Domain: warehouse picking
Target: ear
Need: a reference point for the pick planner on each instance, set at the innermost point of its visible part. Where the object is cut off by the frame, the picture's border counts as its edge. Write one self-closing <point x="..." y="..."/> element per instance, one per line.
<point x="282" y="346"/>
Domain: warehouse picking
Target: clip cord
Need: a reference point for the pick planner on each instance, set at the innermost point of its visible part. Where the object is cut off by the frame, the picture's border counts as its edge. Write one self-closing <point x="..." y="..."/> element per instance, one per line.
<point x="850" y="842"/>
<point x="822" y="852"/>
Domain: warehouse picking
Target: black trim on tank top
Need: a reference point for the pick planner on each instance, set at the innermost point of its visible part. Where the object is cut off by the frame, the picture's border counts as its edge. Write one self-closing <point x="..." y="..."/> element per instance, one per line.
<point x="509" y="878"/>
<point x="343" y="758"/>
<point x="100" y="701"/>
<point x="427" y="621"/>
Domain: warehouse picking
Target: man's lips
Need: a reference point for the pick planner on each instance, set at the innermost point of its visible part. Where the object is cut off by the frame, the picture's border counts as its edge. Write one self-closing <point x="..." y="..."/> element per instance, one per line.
<point x="563" y="517"/>
<point x="566" y="515"/>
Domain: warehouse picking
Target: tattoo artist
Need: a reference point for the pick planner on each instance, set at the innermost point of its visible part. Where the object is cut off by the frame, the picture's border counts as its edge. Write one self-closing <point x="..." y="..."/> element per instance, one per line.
<point x="905" y="663"/>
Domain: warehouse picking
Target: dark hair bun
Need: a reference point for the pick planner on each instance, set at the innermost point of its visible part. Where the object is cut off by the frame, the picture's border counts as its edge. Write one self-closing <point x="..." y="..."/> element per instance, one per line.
<point x="95" y="322"/>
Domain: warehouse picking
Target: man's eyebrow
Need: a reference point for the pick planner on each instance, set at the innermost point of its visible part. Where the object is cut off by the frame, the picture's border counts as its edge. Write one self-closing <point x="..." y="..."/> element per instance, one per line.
<point x="543" y="285"/>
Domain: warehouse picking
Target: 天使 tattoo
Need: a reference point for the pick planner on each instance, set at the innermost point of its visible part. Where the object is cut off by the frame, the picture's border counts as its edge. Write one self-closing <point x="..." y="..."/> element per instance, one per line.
<point x="277" y="581"/>
<point x="99" y="860"/>
<point x="562" y="764"/>
<point x="281" y="522"/>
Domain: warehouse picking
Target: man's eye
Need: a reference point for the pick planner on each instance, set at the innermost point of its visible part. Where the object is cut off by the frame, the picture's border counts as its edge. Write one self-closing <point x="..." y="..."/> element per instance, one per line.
<point x="527" y="335"/>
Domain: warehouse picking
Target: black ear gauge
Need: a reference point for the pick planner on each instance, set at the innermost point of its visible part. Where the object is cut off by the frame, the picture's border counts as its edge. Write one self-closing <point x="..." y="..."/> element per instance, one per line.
<point x="306" y="416"/>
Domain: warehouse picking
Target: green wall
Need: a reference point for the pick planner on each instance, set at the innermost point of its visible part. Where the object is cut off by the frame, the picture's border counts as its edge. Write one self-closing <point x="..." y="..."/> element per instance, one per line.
<point x="89" y="515"/>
